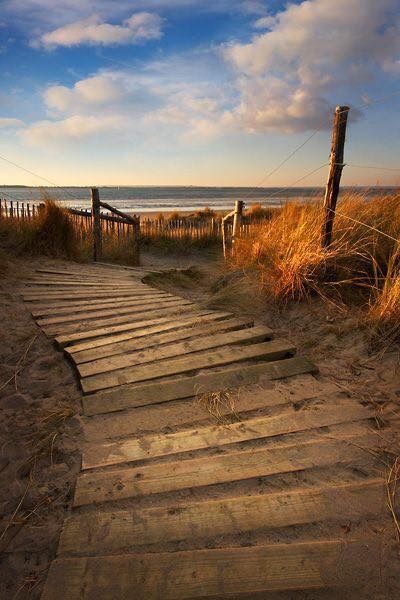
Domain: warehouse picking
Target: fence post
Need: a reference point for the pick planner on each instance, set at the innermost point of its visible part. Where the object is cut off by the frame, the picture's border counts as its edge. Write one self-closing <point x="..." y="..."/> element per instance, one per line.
<point x="136" y="239"/>
<point x="335" y="172"/>
<point x="237" y="221"/>
<point x="96" y="224"/>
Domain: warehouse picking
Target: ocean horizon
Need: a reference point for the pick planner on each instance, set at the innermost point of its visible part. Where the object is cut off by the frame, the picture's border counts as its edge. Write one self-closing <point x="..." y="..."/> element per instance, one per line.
<point x="172" y="198"/>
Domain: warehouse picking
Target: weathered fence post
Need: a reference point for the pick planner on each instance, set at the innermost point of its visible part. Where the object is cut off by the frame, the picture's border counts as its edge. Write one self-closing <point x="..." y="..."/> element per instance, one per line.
<point x="136" y="239"/>
<point x="335" y="172"/>
<point x="96" y="224"/>
<point x="237" y="221"/>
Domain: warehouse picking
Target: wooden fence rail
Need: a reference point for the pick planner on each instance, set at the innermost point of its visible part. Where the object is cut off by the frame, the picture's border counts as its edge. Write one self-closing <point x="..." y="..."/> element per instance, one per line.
<point x="150" y="228"/>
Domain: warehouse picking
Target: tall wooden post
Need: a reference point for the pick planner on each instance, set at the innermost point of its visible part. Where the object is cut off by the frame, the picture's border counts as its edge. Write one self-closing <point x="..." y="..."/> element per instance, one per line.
<point x="335" y="172"/>
<point x="237" y="221"/>
<point x="96" y="224"/>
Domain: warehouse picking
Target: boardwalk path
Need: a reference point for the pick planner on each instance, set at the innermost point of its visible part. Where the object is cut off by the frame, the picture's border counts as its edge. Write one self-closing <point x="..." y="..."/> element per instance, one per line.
<point x="188" y="498"/>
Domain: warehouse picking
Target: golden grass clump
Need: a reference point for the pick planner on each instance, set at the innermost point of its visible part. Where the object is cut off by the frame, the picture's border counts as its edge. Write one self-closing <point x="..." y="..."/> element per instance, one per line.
<point x="51" y="232"/>
<point x="256" y="211"/>
<point x="286" y="252"/>
<point x="384" y="311"/>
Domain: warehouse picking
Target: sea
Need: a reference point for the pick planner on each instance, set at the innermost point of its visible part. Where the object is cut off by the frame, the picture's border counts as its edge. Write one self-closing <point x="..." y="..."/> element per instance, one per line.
<point x="169" y="198"/>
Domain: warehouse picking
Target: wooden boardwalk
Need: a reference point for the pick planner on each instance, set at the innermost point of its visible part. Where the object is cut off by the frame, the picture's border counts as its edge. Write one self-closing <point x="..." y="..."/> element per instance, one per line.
<point x="190" y="488"/>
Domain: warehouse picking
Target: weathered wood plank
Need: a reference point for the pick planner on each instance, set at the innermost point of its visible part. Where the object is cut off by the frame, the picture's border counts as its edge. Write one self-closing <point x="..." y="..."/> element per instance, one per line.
<point x="186" y="412"/>
<point x="117" y="309"/>
<point x="332" y="412"/>
<point x="132" y="396"/>
<point x="130" y="482"/>
<point x="106" y="334"/>
<point x="222" y="572"/>
<point x="203" y="328"/>
<point x="272" y="350"/>
<point x="64" y="283"/>
<point x="64" y="308"/>
<point x="86" y="271"/>
<point x="256" y="334"/>
<point x="172" y="310"/>
<point x="65" y="295"/>
<point x="103" y="532"/>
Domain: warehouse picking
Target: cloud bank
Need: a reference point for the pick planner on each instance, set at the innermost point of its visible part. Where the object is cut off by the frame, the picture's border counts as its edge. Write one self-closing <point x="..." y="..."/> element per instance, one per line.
<point x="140" y="27"/>
<point x="287" y="78"/>
<point x="310" y="51"/>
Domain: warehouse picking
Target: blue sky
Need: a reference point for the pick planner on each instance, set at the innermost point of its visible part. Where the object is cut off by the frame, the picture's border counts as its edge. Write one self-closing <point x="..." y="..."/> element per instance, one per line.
<point x="206" y="92"/>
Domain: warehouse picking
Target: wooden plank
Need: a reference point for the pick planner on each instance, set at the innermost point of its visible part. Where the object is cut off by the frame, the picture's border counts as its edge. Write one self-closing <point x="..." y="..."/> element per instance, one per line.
<point x="82" y="278"/>
<point x="117" y="309"/>
<point x="159" y="339"/>
<point x="143" y="327"/>
<point x="133" y="316"/>
<point x="132" y="396"/>
<point x="169" y="416"/>
<point x="73" y="294"/>
<point x="200" y="317"/>
<point x="64" y="283"/>
<point x="103" y="532"/>
<point x="331" y="412"/>
<point x="221" y="573"/>
<point x="256" y="334"/>
<point x="64" y="308"/>
<point x="193" y="362"/>
<point x="85" y="272"/>
<point x="137" y="270"/>
<point x="61" y="299"/>
<point x="131" y="482"/>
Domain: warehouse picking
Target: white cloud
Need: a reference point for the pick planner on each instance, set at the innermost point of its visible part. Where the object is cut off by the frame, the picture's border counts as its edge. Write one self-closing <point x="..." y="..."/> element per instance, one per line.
<point x="74" y="128"/>
<point x="9" y="123"/>
<point x="312" y="50"/>
<point x="138" y="28"/>
<point x="99" y="90"/>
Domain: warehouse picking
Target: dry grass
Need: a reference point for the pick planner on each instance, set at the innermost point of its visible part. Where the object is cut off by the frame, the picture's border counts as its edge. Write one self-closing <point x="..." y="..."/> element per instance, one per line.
<point x="51" y="233"/>
<point x="220" y="404"/>
<point x="384" y="312"/>
<point x="361" y="266"/>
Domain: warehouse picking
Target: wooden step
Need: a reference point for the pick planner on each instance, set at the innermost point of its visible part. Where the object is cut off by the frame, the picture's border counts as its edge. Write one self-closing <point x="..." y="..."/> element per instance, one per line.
<point x="193" y="362"/>
<point x="138" y="306"/>
<point x="221" y="573"/>
<point x="203" y="328"/>
<point x="102" y="332"/>
<point x="115" y="484"/>
<point x="64" y="308"/>
<point x="132" y="396"/>
<point x="256" y="334"/>
<point x="158" y="326"/>
<point x="331" y="412"/>
<point x="103" y="532"/>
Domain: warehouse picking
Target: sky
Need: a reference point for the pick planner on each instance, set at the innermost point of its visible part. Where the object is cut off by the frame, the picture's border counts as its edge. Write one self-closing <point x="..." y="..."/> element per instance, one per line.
<point x="197" y="92"/>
